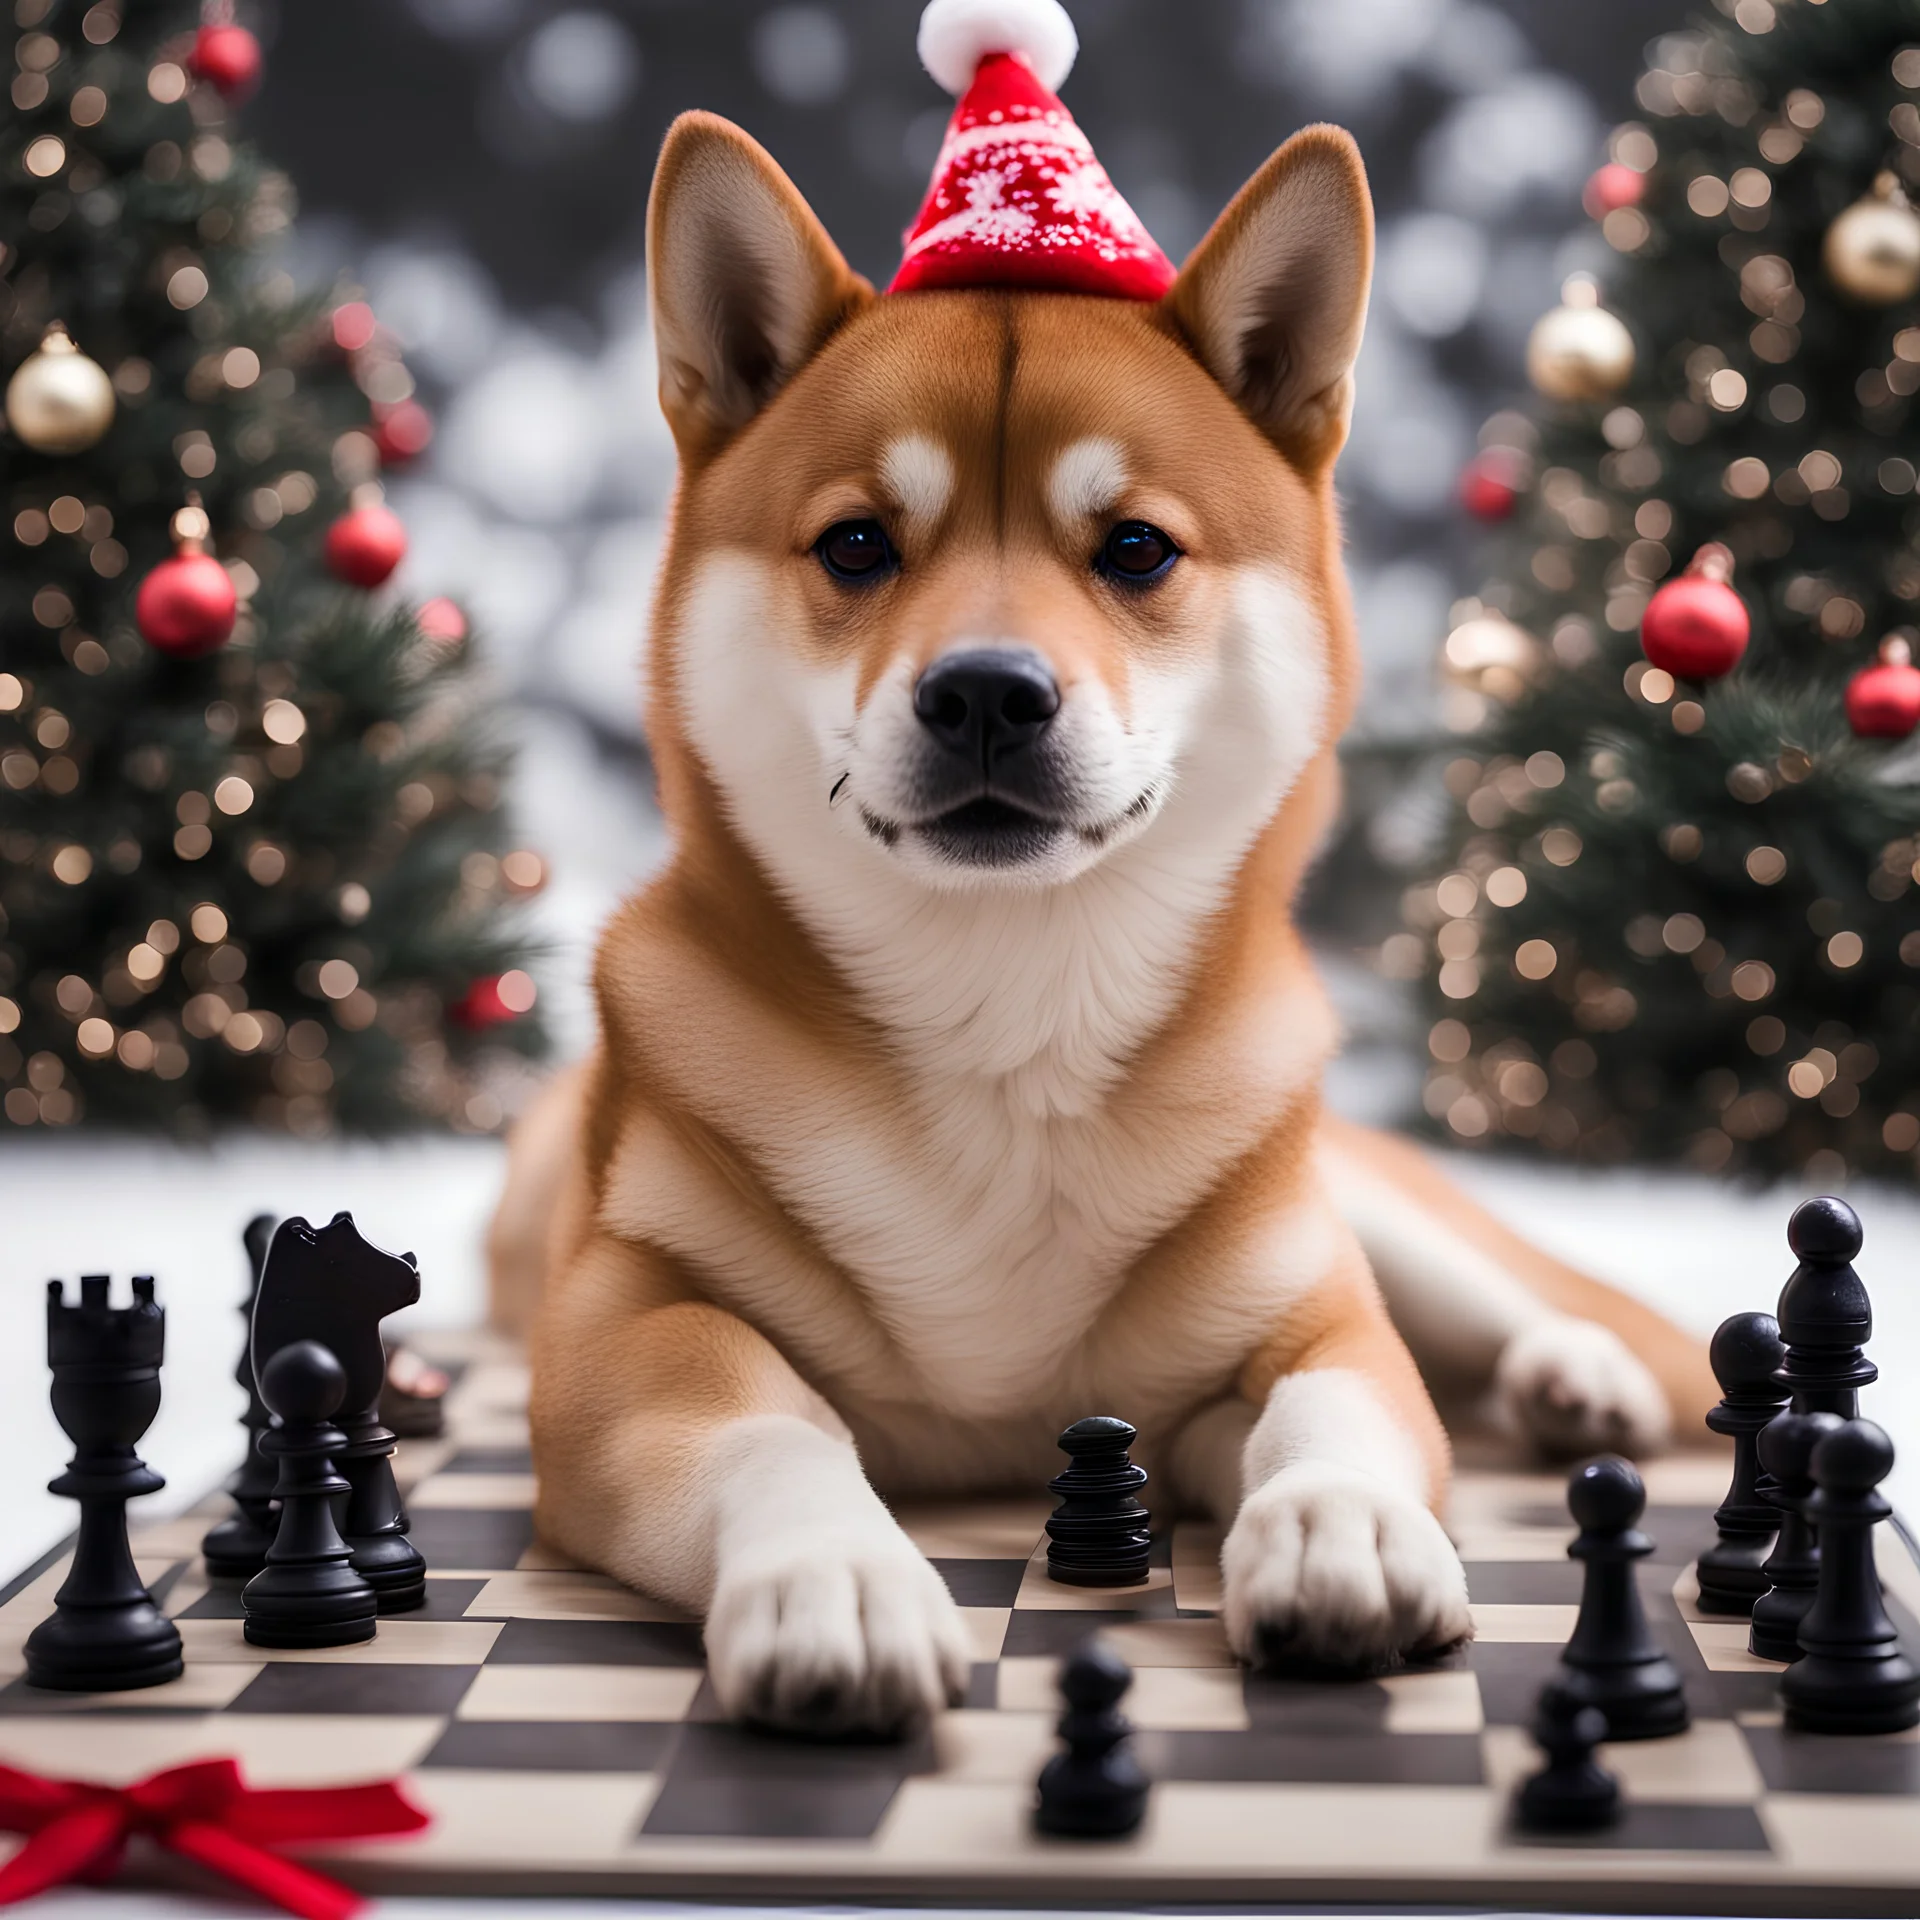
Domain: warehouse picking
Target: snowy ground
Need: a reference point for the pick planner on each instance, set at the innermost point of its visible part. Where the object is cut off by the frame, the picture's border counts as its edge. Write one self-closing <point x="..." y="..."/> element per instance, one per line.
<point x="1698" y="1250"/>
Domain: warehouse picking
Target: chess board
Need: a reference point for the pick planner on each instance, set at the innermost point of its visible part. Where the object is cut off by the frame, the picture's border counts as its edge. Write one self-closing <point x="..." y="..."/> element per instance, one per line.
<point x="562" y="1732"/>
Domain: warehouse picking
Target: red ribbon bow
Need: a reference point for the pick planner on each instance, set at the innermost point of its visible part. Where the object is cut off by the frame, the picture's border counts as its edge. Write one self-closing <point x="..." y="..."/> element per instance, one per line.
<point x="204" y="1811"/>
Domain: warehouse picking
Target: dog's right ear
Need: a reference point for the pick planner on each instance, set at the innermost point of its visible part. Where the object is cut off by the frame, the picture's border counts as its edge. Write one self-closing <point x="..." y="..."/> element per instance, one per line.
<point x="745" y="284"/>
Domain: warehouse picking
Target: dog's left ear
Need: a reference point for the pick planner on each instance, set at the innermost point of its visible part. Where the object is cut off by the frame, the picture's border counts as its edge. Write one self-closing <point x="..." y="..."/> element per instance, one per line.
<point x="745" y="284"/>
<point x="1274" y="298"/>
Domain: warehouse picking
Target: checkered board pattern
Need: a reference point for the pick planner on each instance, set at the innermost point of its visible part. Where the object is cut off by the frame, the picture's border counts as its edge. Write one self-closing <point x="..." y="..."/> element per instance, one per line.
<point x="563" y="1733"/>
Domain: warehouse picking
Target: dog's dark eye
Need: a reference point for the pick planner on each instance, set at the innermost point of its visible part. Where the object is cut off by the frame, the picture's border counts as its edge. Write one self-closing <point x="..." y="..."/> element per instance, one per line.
<point x="856" y="550"/>
<point x="1136" y="553"/>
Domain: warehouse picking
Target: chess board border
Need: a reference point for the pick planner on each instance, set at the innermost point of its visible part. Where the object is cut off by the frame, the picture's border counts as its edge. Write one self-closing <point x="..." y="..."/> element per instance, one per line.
<point x="1141" y="1888"/>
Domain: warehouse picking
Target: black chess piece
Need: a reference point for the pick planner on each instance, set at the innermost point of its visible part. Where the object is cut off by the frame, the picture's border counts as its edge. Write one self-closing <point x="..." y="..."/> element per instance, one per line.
<point x="1095" y="1789"/>
<point x="308" y="1594"/>
<point x="1746" y="1356"/>
<point x="1825" y="1316"/>
<point x="331" y="1285"/>
<point x="1612" y="1660"/>
<point x="1098" y="1535"/>
<point x="105" y="1634"/>
<point x="1792" y="1569"/>
<point x="1573" y="1792"/>
<point x="1852" y="1677"/>
<point x="236" y="1548"/>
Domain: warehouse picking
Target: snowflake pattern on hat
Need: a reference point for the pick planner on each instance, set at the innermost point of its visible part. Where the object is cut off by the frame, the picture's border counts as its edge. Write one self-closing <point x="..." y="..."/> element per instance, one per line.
<point x="1019" y="200"/>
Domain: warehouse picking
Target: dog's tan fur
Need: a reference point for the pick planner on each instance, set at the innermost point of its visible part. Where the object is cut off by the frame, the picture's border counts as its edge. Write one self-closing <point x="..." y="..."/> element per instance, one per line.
<point x="883" y="1174"/>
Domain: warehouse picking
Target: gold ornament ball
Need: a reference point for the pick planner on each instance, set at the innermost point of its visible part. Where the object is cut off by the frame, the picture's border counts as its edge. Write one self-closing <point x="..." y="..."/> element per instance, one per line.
<point x="1578" y="350"/>
<point x="1487" y="653"/>
<point x="58" y="400"/>
<point x="1872" y="250"/>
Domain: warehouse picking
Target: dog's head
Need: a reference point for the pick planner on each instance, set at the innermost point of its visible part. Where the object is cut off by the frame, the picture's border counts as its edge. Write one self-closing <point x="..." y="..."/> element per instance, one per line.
<point x="986" y="587"/>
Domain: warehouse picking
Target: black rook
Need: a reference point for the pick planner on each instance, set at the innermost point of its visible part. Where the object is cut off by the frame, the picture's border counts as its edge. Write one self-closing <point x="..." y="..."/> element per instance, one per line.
<point x="105" y="1633"/>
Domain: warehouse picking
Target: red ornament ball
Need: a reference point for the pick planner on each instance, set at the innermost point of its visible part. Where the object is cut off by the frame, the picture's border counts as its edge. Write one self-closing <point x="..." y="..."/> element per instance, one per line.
<point x="352" y="326"/>
<point x="1883" y="701"/>
<point x="441" y="620"/>
<point x="227" y="58"/>
<point x="364" y="546"/>
<point x="401" y="432"/>
<point x="1492" y="482"/>
<point x="493" y="1000"/>
<point x="1612" y="187"/>
<point x="186" y="605"/>
<point x="1697" y="627"/>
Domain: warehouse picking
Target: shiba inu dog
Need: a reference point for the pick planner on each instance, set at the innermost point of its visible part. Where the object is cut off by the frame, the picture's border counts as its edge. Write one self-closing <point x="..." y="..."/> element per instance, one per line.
<point x="960" y="1074"/>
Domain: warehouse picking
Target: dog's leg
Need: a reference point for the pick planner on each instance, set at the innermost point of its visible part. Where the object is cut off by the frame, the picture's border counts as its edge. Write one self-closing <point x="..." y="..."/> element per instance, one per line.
<point x="679" y="1451"/>
<point x="1569" y="1364"/>
<point x="1325" y="1471"/>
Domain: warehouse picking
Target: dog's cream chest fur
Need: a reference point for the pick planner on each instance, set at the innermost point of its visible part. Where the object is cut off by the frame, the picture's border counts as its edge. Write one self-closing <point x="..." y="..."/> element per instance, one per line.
<point x="971" y="1231"/>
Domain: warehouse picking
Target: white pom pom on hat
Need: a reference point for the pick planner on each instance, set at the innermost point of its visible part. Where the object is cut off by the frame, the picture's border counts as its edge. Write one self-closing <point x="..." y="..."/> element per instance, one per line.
<point x="956" y="35"/>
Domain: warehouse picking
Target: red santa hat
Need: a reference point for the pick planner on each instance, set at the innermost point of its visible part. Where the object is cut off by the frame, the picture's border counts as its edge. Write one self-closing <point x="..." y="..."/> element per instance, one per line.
<point x="1018" y="200"/>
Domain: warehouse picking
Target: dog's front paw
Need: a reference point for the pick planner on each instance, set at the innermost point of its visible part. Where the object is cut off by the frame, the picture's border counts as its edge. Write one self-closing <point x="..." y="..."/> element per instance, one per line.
<point x="853" y="1633"/>
<point x="1574" y="1387"/>
<point x="1329" y="1568"/>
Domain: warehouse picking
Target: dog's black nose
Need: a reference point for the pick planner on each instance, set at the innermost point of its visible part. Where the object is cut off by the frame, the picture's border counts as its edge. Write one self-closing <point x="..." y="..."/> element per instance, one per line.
<point x="987" y="705"/>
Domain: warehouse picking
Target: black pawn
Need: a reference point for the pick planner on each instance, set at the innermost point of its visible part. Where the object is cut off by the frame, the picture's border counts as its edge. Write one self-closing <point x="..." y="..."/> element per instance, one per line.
<point x="1573" y="1792"/>
<point x="1853" y="1678"/>
<point x="1793" y="1568"/>
<point x="308" y="1594"/>
<point x="104" y="1634"/>
<point x="1746" y="1356"/>
<point x="1613" y="1661"/>
<point x="1825" y="1316"/>
<point x="1098" y="1535"/>
<point x="236" y="1549"/>
<point x="1095" y="1789"/>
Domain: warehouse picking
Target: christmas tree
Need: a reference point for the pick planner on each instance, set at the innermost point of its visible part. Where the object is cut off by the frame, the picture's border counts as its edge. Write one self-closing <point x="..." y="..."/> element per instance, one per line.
<point x="1676" y="918"/>
<point x="251" y="849"/>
